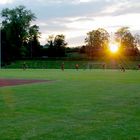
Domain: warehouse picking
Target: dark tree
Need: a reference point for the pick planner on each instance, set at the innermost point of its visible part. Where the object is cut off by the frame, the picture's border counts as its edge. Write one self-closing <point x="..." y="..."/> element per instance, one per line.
<point x="34" y="45"/>
<point x="56" y="46"/>
<point x="15" y="29"/>
<point x="96" y="42"/>
<point x="127" y="41"/>
<point x="60" y="44"/>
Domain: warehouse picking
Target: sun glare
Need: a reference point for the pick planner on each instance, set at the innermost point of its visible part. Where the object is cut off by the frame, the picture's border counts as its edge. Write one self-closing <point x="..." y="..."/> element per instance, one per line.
<point x="113" y="47"/>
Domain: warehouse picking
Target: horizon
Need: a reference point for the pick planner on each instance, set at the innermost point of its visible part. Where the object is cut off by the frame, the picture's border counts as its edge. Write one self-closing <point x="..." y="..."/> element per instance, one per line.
<point x="76" y="18"/>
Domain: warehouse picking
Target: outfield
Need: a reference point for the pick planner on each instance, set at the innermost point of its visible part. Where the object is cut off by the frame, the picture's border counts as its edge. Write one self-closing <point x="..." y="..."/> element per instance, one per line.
<point x="77" y="105"/>
<point x="70" y="64"/>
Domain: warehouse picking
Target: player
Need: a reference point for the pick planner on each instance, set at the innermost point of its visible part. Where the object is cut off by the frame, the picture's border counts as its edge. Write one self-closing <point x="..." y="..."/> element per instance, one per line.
<point x="76" y="66"/>
<point x="24" y="66"/>
<point x="62" y="66"/>
<point x="104" y="66"/>
<point x="139" y="66"/>
<point x="122" y="68"/>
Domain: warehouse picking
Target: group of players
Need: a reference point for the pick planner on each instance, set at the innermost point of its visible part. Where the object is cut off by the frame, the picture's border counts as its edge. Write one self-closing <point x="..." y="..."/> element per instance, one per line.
<point x="62" y="66"/>
<point x="121" y="67"/>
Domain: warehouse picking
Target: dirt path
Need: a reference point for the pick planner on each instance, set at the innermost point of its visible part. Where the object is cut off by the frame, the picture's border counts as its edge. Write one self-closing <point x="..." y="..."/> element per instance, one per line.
<point x="13" y="82"/>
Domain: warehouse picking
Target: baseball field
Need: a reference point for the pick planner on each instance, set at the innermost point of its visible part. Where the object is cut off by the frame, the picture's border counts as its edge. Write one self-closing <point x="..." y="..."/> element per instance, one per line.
<point x="50" y="104"/>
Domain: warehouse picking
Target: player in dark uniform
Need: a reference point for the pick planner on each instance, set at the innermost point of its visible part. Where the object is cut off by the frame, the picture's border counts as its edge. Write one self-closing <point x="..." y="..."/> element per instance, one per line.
<point x="62" y="66"/>
<point x="139" y="66"/>
<point x="24" y="66"/>
<point x="122" y="68"/>
<point x="76" y="66"/>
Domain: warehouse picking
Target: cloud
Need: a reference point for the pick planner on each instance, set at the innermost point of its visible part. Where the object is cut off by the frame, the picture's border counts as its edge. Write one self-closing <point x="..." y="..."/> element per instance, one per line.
<point x="65" y="1"/>
<point x="76" y="28"/>
<point x="81" y="1"/>
<point x="122" y="7"/>
<point x="74" y="18"/>
<point x="76" y="41"/>
<point x="3" y="2"/>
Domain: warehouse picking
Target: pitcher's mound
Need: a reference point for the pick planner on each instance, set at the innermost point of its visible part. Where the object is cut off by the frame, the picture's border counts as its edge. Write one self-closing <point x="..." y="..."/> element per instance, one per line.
<point x="13" y="82"/>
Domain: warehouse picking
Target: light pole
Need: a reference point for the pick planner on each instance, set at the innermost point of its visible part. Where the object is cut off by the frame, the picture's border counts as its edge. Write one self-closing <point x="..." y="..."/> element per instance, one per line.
<point x="0" y="46"/>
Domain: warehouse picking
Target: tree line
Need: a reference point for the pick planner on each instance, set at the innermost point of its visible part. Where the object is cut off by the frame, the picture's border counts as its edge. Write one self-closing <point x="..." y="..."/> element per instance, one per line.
<point x="20" y="39"/>
<point x="97" y="42"/>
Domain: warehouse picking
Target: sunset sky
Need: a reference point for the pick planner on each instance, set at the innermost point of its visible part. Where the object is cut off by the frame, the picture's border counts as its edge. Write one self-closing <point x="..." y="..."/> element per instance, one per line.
<point x="74" y="18"/>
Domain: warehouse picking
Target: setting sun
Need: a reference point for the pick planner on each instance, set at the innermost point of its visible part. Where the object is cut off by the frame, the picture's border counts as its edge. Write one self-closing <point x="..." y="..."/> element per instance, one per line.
<point x="113" y="47"/>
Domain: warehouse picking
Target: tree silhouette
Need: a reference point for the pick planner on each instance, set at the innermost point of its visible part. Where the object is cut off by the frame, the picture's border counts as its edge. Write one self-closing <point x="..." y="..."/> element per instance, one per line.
<point x="96" y="41"/>
<point x="16" y="26"/>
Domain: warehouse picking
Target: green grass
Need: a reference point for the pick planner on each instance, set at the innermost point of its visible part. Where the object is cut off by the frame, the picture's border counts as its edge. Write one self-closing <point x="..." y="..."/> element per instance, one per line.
<point x="79" y="105"/>
<point x="56" y="64"/>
